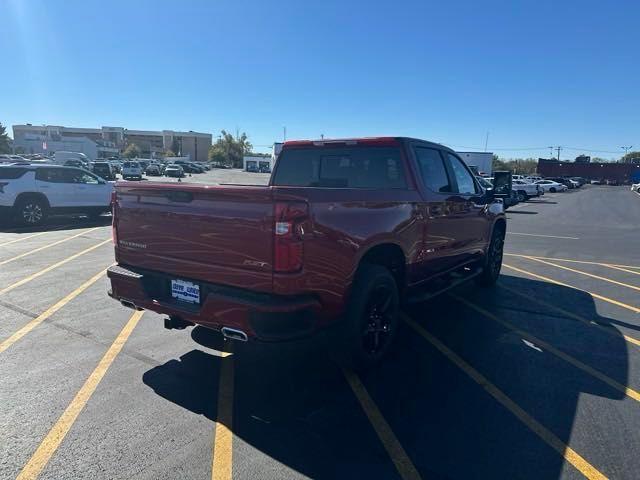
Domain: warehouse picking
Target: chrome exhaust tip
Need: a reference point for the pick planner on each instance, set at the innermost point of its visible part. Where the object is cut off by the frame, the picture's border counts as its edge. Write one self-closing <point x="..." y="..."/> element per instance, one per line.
<point x="234" y="334"/>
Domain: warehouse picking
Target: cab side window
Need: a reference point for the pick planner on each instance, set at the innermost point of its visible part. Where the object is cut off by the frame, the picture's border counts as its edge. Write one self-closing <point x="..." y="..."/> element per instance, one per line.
<point x="464" y="180"/>
<point x="433" y="171"/>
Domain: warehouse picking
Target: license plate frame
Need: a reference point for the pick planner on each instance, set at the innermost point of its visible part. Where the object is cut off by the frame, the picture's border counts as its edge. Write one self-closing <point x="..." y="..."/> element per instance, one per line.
<point x="185" y="291"/>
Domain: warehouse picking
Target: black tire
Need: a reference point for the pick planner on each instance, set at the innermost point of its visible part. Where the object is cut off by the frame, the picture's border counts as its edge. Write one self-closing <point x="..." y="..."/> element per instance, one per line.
<point x="31" y="211"/>
<point x="493" y="260"/>
<point x="371" y="321"/>
<point x="552" y="190"/>
<point x="522" y="196"/>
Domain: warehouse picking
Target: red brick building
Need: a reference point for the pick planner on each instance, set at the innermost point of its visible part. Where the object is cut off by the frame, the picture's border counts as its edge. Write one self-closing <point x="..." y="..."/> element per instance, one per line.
<point x="621" y="172"/>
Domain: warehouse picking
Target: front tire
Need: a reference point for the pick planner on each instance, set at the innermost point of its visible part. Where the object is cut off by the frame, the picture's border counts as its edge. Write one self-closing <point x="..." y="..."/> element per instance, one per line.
<point x="31" y="211"/>
<point x="493" y="261"/>
<point x="552" y="189"/>
<point x="372" y="317"/>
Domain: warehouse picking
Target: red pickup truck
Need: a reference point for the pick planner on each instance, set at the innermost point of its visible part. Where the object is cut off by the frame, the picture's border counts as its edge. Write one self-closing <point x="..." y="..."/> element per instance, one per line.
<point x="344" y="233"/>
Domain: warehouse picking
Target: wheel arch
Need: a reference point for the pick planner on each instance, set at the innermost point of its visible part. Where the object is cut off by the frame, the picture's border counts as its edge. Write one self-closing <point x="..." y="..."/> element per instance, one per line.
<point x="27" y="195"/>
<point x="389" y="255"/>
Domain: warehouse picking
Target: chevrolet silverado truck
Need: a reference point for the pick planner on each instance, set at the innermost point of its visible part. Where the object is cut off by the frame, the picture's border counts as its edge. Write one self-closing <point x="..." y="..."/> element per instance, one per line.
<point x="343" y="234"/>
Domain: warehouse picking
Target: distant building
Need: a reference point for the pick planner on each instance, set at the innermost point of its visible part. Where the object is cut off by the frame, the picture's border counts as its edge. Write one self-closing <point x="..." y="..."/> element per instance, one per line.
<point x="620" y="172"/>
<point x="109" y="141"/>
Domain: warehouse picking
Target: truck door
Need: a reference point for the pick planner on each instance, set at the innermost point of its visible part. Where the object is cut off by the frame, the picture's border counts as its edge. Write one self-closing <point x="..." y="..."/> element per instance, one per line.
<point x="439" y="228"/>
<point x="468" y="218"/>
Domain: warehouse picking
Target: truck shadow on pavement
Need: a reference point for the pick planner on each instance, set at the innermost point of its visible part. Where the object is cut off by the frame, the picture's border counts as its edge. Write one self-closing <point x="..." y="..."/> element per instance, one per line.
<point x="293" y="404"/>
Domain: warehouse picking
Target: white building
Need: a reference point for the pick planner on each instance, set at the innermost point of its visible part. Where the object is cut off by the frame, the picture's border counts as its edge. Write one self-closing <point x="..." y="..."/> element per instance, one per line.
<point x="108" y="141"/>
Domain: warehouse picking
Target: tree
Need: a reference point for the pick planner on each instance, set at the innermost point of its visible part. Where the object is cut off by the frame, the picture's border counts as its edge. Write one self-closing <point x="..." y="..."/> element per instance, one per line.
<point x="169" y="153"/>
<point x="132" y="151"/>
<point x="629" y="157"/>
<point x="229" y="150"/>
<point x="175" y="147"/>
<point x="4" y="140"/>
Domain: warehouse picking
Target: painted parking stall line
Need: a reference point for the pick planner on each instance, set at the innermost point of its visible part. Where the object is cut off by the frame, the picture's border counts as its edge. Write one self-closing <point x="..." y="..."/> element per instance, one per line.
<point x="629" y="392"/>
<point x="44" y="247"/>
<point x="591" y="323"/>
<point x="392" y="445"/>
<point x="570" y="455"/>
<point x="222" y="455"/>
<point x="51" y="267"/>
<point x="556" y="282"/>
<point x="606" y="264"/>
<point x="49" y="312"/>
<point x="58" y="432"/>
<point x="587" y="274"/>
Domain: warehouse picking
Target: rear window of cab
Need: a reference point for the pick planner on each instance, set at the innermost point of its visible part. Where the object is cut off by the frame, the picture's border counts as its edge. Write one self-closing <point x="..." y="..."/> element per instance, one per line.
<point x="341" y="167"/>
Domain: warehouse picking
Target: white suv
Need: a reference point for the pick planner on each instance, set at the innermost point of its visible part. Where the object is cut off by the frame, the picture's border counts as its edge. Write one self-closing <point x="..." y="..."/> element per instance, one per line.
<point x="131" y="170"/>
<point x="33" y="192"/>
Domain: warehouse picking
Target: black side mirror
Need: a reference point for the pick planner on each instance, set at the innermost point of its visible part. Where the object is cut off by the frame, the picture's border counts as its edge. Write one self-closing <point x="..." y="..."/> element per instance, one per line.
<point x="502" y="183"/>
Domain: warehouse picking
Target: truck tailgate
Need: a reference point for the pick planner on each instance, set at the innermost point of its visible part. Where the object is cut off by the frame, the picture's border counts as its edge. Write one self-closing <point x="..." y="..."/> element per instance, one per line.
<point x="216" y="234"/>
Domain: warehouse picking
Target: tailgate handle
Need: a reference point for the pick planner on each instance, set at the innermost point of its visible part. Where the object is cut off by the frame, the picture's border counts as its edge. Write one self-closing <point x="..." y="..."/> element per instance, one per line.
<point x="185" y="197"/>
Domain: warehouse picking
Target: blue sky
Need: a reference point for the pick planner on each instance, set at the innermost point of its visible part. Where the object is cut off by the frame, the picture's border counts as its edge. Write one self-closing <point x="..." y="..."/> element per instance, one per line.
<point x="532" y="74"/>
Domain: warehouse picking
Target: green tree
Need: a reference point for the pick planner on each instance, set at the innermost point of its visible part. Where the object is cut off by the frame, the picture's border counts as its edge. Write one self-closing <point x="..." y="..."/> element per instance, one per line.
<point x="132" y="151"/>
<point x="169" y="153"/>
<point x="175" y="147"/>
<point x="229" y="150"/>
<point x="629" y="156"/>
<point x="4" y="140"/>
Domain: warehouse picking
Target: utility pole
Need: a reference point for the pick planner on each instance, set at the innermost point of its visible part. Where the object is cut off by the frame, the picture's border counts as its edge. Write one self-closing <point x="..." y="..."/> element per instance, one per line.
<point x="284" y="133"/>
<point x="551" y="152"/>
<point x="626" y="150"/>
<point x="558" y="149"/>
<point x="486" y="141"/>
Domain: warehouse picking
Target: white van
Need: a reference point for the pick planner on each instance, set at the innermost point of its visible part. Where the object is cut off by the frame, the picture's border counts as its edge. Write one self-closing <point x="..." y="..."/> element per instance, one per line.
<point x="61" y="157"/>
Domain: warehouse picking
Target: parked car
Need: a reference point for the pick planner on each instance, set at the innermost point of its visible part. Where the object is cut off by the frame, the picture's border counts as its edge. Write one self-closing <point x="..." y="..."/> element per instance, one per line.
<point x="635" y="187"/>
<point x="407" y="220"/>
<point x="116" y="165"/>
<point x="567" y="182"/>
<point x="104" y="170"/>
<point x="153" y="169"/>
<point x="75" y="163"/>
<point x="526" y="190"/>
<point x="551" y="186"/>
<point x="131" y="170"/>
<point x="581" y="181"/>
<point x="30" y="193"/>
<point x="173" y="170"/>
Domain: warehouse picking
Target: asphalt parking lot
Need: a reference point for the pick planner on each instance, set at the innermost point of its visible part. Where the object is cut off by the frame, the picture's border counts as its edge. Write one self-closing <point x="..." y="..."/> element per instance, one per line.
<point x="537" y="378"/>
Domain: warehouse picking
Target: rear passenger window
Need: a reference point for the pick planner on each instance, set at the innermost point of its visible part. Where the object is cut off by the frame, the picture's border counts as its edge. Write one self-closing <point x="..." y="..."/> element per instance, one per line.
<point x="348" y="167"/>
<point x="11" y="173"/>
<point x="432" y="169"/>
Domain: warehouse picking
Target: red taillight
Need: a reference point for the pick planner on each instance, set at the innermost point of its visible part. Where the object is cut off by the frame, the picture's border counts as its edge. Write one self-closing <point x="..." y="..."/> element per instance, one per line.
<point x="114" y="231"/>
<point x="288" y="231"/>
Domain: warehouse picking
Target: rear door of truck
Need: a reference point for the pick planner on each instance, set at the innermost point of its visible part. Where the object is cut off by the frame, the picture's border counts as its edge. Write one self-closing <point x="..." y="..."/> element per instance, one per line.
<point x="216" y="234"/>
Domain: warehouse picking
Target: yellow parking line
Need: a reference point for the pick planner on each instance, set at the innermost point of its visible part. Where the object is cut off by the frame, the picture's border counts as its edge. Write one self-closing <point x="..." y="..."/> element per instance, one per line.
<point x="592" y="323"/>
<point x="401" y="460"/>
<point x="39" y="249"/>
<point x="556" y="282"/>
<point x="51" y="267"/>
<point x="56" y="435"/>
<point x="587" y="274"/>
<point x="615" y="267"/>
<point x="545" y="236"/>
<point x="222" y="461"/>
<point x="546" y="435"/>
<point x="572" y="261"/>
<point x="22" y="238"/>
<point x="550" y="348"/>
<point x="50" y="311"/>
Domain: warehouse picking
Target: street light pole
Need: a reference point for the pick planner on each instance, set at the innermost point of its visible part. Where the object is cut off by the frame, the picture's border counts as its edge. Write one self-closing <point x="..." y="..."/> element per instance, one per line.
<point x="626" y="150"/>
